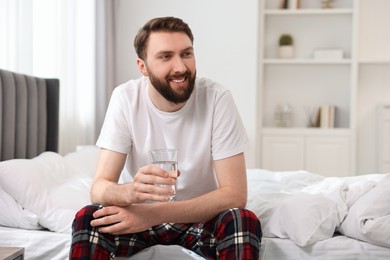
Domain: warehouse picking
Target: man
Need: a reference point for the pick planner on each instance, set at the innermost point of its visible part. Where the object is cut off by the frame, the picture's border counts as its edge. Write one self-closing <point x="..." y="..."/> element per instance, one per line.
<point x="168" y="107"/>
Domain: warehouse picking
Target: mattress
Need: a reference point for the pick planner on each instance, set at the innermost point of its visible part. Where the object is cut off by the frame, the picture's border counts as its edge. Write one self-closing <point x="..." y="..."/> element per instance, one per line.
<point x="38" y="244"/>
<point x="48" y="245"/>
<point x="41" y="245"/>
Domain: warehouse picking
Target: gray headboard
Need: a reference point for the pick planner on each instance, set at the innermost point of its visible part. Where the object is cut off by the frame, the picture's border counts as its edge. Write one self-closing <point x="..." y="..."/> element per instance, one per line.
<point x="29" y="115"/>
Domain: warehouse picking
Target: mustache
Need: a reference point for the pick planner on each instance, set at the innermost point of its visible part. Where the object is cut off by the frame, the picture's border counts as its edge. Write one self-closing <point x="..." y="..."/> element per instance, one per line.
<point x="181" y="75"/>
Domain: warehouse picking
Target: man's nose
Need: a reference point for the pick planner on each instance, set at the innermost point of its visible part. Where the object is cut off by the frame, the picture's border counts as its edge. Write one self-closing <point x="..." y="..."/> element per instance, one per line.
<point x="179" y="65"/>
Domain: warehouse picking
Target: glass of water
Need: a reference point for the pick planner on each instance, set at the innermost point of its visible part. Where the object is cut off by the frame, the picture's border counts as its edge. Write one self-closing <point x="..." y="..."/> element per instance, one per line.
<point x="166" y="159"/>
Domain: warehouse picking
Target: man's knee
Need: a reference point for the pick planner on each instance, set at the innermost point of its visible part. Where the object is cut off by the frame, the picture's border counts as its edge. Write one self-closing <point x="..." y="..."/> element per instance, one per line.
<point x="84" y="217"/>
<point x="240" y="220"/>
<point x="240" y="214"/>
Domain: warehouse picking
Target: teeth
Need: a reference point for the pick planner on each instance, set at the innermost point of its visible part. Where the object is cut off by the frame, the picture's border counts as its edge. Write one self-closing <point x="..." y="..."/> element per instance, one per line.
<point x="178" y="80"/>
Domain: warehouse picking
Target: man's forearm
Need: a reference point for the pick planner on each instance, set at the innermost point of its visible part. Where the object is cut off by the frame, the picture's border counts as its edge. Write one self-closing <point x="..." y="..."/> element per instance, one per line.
<point x="198" y="209"/>
<point x="108" y="193"/>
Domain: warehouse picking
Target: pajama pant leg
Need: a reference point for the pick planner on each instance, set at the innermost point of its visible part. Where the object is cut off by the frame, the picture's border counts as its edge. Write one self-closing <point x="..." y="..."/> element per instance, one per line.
<point x="234" y="234"/>
<point x="88" y="243"/>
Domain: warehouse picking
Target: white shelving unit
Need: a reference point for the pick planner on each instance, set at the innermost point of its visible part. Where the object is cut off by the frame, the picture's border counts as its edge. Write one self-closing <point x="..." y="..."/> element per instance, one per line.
<point x="356" y="85"/>
<point x="304" y="82"/>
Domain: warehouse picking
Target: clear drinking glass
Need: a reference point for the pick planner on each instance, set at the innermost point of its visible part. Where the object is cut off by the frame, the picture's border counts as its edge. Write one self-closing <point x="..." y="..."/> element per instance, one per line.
<point x="167" y="160"/>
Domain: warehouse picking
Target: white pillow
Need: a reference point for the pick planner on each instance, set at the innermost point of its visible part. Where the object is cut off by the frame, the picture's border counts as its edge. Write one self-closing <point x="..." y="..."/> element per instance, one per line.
<point x="368" y="218"/>
<point x="12" y="214"/>
<point x="63" y="202"/>
<point x="285" y="211"/>
<point x="83" y="161"/>
<point x="48" y="186"/>
<point x="303" y="218"/>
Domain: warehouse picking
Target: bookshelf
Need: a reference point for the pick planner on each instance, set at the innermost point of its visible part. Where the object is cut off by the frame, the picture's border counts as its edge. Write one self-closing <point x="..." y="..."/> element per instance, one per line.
<point x="304" y="82"/>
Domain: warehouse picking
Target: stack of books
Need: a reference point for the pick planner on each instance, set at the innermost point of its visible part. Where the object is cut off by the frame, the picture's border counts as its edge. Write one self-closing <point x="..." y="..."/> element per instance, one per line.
<point x="327" y="116"/>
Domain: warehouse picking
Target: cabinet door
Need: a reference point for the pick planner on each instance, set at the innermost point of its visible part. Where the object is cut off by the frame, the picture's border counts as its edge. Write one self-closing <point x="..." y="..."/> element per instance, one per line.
<point x="328" y="156"/>
<point x="282" y="153"/>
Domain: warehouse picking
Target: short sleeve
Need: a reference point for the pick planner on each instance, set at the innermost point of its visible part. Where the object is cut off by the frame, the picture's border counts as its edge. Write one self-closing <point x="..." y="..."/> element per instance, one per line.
<point x="115" y="133"/>
<point x="229" y="136"/>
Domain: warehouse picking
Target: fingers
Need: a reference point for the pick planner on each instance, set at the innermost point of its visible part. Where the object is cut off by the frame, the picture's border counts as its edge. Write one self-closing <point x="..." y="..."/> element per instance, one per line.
<point x="120" y="220"/>
<point x="105" y="216"/>
<point x="107" y="220"/>
<point x="153" y="170"/>
<point x="147" y="177"/>
<point x="144" y="192"/>
<point x="154" y="184"/>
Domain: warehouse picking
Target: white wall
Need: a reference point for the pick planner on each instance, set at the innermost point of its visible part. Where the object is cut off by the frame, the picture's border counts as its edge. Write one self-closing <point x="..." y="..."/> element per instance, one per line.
<point x="225" y="32"/>
<point x="374" y="78"/>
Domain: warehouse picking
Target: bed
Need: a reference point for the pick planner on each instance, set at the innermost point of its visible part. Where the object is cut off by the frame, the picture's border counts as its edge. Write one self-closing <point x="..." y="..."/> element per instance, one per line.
<point x="303" y="215"/>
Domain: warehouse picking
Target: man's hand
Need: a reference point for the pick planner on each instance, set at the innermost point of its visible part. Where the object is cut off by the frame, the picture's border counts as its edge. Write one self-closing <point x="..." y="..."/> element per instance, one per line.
<point x="145" y="188"/>
<point x="122" y="220"/>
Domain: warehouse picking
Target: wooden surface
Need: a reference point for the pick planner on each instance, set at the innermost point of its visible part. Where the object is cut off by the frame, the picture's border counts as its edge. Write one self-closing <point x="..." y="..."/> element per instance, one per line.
<point x="8" y="253"/>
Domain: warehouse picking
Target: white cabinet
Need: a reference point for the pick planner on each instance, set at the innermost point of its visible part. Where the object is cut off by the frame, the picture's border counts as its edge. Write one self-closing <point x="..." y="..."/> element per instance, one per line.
<point x="283" y="152"/>
<point x="304" y="83"/>
<point x="323" y="153"/>
<point x="328" y="155"/>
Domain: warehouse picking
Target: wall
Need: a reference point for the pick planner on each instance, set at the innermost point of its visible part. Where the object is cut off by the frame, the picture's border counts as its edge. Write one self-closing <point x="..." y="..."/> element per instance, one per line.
<point x="374" y="78"/>
<point x="225" y="44"/>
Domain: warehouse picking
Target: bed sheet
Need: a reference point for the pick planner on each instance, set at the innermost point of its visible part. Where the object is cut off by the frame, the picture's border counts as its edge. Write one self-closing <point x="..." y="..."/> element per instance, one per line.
<point x="48" y="245"/>
<point x="335" y="248"/>
<point x="42" y="245"/>
<point x="38" y="244"/>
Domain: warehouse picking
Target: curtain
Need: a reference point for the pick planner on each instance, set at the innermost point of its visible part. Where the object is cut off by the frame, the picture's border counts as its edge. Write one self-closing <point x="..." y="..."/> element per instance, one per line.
<point x="67" y="39"/>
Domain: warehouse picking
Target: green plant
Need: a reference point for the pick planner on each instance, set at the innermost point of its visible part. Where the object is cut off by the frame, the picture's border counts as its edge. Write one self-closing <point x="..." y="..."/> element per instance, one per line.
<point x="286" y="40"/>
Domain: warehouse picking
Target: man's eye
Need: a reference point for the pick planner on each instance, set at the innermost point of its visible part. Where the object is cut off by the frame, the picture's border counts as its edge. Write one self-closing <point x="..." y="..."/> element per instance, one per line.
<point x="187" y="54"/>
<point x="165" y="57"/>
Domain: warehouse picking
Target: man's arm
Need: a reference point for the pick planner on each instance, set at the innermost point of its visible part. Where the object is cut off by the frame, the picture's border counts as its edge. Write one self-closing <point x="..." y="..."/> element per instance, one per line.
<point x="105" y="189"/>
<point x="232" y="193"/>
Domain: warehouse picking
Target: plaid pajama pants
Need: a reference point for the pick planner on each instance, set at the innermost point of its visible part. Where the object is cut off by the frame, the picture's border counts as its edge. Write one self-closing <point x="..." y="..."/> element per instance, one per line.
<point x="233" y="234"/>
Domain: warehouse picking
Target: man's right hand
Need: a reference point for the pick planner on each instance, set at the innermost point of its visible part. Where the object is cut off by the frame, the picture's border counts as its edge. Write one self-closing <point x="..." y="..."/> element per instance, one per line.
<point x="145" y="188"/>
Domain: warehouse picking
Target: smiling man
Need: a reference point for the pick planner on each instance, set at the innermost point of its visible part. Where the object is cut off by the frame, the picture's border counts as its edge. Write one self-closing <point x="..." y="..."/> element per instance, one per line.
<point x="169" y="108"/>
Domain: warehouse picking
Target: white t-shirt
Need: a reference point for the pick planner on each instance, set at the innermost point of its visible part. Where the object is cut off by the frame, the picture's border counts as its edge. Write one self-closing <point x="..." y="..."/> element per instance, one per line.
<point x="207" y="128"/>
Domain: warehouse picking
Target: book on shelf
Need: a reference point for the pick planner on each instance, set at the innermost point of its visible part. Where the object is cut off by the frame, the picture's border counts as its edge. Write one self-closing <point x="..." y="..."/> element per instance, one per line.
<point x="327" y="116"/>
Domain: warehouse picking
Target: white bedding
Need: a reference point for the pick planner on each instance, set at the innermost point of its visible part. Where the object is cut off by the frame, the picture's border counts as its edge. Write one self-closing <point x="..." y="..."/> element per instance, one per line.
<point x="299" y="211"/>
<point x="38" y="244"/>
<point x="335" y="248"/>
<point x="47" y="245"/>
<point x="42" y="245"/>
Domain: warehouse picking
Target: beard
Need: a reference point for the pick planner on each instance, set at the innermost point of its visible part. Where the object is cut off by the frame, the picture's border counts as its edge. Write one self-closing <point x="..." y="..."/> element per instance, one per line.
<point x="164" y="88"/>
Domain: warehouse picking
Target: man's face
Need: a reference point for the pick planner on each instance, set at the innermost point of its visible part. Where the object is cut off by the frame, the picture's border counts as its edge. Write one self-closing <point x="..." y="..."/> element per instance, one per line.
<point x="170" y="65"/>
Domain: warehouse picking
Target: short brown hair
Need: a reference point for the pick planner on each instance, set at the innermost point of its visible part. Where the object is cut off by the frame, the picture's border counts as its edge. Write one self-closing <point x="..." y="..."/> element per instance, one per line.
<point x="168" y="24"/>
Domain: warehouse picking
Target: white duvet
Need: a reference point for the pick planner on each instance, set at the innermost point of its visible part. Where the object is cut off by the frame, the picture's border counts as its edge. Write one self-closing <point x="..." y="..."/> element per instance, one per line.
<point x="306" y="207"/>
<point x="47" y="191"/>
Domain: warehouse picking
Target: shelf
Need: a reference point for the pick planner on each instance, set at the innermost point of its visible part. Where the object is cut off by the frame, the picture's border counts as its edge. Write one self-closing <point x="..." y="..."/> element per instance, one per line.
<point x="340" y="11"/>
<point x="306" y="62"/>
<point x="306" y="131"/>
<point x="374" y="62"/>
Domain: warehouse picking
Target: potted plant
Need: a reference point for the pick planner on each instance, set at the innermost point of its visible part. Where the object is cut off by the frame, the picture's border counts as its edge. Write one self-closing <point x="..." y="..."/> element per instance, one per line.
<point x="286" y="46"/>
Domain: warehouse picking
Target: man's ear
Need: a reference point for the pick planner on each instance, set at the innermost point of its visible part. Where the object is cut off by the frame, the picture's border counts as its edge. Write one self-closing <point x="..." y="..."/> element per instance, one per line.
<point x="142" y="67"/>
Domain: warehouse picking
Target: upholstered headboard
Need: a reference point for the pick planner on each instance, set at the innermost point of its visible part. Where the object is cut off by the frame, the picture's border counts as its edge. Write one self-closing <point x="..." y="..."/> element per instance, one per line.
<point x="29" y="121"/>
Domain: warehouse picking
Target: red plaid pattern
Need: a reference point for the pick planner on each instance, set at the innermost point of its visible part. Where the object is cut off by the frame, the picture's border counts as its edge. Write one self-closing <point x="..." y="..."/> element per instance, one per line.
<point x="233" y="234"/>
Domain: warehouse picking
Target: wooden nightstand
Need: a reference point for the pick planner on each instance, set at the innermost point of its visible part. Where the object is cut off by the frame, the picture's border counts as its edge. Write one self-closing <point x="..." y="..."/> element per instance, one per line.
<point x="11" y="253"/>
